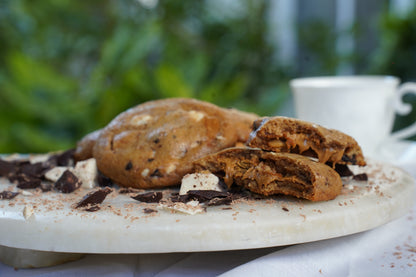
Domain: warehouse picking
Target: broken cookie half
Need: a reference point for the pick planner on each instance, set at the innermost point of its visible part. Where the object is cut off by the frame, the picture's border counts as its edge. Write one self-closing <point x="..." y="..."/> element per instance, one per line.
<point x="283" y="134"/>
<point x="269" y="173"/>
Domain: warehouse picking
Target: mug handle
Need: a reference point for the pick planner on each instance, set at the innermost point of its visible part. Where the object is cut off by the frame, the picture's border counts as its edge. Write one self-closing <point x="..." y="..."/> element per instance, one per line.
<point x="404" y="109"/>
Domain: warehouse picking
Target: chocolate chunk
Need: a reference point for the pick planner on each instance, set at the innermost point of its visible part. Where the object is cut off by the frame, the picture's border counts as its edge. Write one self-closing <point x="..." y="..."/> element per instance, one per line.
<point x="7" y="168"/>
<point x="149" y="211"/>
<point x="104" y="181"/>
<point x="149" y="197"/>
<point x="343" y="170"/>
<point x="347" y="159"/>
<point x="68" y="182"/>
<point x="129" y="166"/>
<point x="94" y="198"/>
<point x="206" y="195"/>
<point x="7" y="195"/>
<point x="65" y="158"/>
<point x="175" y="197"/>
<point x="35" y="170"/>
<point x="156" y="173"/>
<point x="360" y="177"/>
<point x="24" y="181"/>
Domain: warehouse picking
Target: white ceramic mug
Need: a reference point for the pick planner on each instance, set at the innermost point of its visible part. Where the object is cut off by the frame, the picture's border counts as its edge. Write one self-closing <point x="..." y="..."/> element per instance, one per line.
<point x="361" y="106"/>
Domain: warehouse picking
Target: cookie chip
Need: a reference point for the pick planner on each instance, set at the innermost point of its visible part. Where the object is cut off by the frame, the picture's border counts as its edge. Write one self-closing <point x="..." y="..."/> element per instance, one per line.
<point x="269" y="173"/>
<point x="154" y="144"/>
<point x="283" y="134"/>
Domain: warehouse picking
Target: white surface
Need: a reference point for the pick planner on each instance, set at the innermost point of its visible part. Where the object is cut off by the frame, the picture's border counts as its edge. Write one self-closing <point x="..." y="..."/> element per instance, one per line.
<point x="53" y="225"/>
<point x="360" y="254"/>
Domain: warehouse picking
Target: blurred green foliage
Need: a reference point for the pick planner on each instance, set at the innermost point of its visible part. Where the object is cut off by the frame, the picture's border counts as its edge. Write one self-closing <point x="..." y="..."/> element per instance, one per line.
<point x="68" y="67"/>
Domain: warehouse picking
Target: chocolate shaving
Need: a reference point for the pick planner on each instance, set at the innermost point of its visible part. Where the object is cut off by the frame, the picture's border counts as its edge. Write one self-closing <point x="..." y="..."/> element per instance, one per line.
<point x="149" y="211"/>
<point x="149" y="197"/>
<point x="361" y="177"/>
<point x="7" y="195"/>
<point x="94" y="198"/>
<point x="68" y="182"/>
<point x="220" y="201"/>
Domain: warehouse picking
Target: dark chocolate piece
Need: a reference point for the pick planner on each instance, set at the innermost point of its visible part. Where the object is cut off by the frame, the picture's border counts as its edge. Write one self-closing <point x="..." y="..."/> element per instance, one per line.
<point x="35" y="170"/>
<point x="206" y="195"/>
<point x="129" y="166"/>
<point x="149" y="197"/>
<point x="68" y="182"/>
<point x="24" y="181"/>
<point x="104" y="181"/>
<point x="156" y="173"/>
<point x="94" y="198"/>
<point x="149" y="211"/>
<point x="65" y="158"/>
<point x="361" y="177"/>
<point x="175" y="197"/>
<point x="343" y="170"/>
<point x="7" y="167"/>
<point x="7" y="195"/>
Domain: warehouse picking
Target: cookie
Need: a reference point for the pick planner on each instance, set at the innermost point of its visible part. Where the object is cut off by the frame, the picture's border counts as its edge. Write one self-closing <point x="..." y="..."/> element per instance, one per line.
<point x="154" y="144"/>
<point x="270" y="173"/>
<point x="83" y="151"/>
<point x="283" y="134"/>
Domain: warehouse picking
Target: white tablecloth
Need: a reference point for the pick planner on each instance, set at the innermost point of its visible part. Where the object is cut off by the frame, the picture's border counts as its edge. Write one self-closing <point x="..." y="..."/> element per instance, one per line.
<point x="389" y="250"/>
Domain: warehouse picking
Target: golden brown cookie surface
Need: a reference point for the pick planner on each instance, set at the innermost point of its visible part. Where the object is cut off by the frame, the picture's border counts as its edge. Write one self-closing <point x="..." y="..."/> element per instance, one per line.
<point x="269" y="173"/>
<point x="154" y="144"/>
<point x="85" y="146"/>
<point x="283" y="134"/>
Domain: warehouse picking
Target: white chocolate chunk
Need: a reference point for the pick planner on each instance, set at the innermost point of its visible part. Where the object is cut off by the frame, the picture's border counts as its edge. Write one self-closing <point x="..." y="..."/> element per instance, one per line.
<point x="39" y="158"/>
<point x="87" y="173"/>
<point x="140" y="119"/>
<point x="192" y="207"/>
<point x="55" y="173"/>
<point x="28" y="212"/>
<point x="200" y="181"/>
<point x="145" y="172"/>
<point x="195" y="115"/>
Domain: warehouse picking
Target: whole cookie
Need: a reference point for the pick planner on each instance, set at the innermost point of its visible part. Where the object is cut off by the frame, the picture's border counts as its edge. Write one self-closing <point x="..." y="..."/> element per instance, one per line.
<point x="154" y="144"/>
